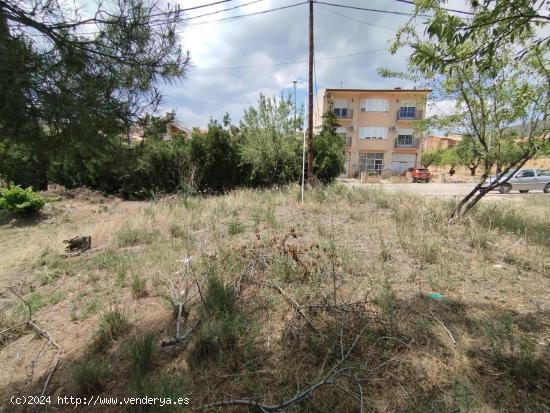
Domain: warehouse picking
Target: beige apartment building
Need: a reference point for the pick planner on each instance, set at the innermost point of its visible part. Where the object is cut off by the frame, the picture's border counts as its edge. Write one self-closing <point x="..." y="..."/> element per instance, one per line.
<point x="378" y="125"/>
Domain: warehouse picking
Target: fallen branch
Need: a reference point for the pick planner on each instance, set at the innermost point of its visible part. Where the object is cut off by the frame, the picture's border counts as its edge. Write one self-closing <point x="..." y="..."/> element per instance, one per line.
<point x="328" y="379"/>
<point x="271" y="408"/>
<point x="13" y="327"/>
<point x="42" y="333"/>
<point x="293" y="302"/>
<point x="443" y="325"/>
<point x="433" y="317"/>
<point x="52" y="369"/>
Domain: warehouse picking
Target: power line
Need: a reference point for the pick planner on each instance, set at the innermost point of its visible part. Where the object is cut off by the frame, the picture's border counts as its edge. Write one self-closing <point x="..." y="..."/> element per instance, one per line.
<point x="442" y="8"/>
<point x="292" y="62"/>
<point x="206" y="5"/>
<point x="223" y="20"/>
<point x="358" y="21"/>
<point x="344" y="6"/>
<point x="241" y="16"/>
<point x="222" y="11"/>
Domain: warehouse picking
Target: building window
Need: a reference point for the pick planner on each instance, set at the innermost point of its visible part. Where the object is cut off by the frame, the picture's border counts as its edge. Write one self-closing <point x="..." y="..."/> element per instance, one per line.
<point x="340" y="112"/>
<point x="371" y="162"/>
<point x="407" y="112"/>
<point x="373" y="132"/>
<point x="404" y="140"/>
<point x="375" y="105"/>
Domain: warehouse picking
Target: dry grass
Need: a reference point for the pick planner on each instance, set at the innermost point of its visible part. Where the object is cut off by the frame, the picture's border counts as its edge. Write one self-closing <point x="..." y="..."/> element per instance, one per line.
<point x="347" y="260"/>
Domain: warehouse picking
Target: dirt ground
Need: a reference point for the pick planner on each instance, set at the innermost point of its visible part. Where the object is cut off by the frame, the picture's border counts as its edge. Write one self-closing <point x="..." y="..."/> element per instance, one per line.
<point x="404" y="311"/>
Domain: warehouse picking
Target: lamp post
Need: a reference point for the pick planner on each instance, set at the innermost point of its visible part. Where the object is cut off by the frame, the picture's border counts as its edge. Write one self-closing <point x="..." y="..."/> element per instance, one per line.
<point x="294" y="81"/>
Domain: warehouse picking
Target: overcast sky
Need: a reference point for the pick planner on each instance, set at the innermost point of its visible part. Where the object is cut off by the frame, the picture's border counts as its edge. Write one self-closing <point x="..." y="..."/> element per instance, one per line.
<point x="211" y="89"/>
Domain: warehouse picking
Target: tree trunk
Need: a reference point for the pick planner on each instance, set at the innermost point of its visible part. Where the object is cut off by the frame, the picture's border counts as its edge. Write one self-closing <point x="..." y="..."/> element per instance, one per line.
<point x="475" y="195"/>
<point x="472" y="170"/>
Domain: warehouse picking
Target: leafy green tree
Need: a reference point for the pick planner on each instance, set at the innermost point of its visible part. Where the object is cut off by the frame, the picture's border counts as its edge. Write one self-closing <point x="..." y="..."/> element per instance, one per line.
<point x="474" y="63"/>
<point x="217" y="158"/>
<point x="450" y="158"/>
<point x="270" y="147"/>
<point x="328" y="150"/>
<point x="157" y="167"/>
<point x="67" y="81"/>
<point x="494" y="25"/>
<point x="431" y="158"/>
<point x="469" y="153"/>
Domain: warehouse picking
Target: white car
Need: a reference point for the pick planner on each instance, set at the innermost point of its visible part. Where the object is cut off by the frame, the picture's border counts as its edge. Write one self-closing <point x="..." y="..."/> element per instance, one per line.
<point x="523" y="181"/>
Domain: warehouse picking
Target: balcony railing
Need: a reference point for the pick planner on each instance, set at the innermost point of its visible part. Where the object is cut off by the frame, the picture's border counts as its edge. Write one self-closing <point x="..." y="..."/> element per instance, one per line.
<point x="343" y="113"/>
<point x="415" y="143"/>
<point x="414" y="115"/>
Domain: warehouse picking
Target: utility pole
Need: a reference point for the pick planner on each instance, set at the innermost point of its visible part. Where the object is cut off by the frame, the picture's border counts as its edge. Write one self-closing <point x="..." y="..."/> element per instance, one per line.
<point x="310" y="100"/>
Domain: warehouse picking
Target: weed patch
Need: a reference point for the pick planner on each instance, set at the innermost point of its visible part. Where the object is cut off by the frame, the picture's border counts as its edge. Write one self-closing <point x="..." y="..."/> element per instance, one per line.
<point x="90" y="375"/>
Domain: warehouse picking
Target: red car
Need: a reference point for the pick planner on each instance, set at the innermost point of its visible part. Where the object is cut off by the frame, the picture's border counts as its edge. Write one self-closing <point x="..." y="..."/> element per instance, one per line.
<point x="420" y="175"/>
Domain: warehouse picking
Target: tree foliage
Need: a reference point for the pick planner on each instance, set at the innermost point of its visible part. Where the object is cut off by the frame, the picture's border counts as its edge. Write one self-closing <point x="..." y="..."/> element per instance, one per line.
<point x="216" y="157"/>
<point x="469" y="153"/>
<point x="431" y="158"/>
<point x="493" y="65"/>
<point x="69" y="82"/>
<point x="495" y="25"/>
<point x="328" y="150"/>
<point x="271" y="147"/>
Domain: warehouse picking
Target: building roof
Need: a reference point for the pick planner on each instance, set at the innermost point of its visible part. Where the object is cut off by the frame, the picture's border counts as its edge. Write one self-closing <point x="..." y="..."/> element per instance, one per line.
<point x="454" y="137"/>
<point x="378" y="90"/>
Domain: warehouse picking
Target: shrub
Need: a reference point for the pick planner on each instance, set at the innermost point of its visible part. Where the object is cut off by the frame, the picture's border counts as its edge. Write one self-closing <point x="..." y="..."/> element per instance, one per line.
<point x="20" y="201"/>
<point x="139" y="287"/>
<point x="165" y="385"/>
<point x="270" y="148"/>
<point x="141" y="350"/>
<point x="113" y="325"/>
<point x="328" y="150"/>
<point x="90" y="375"/>
<point x="217" y="154"/>
<point x="159" y="169"/>
<point x="235" y="227"/>
<point x="219" y="299"/>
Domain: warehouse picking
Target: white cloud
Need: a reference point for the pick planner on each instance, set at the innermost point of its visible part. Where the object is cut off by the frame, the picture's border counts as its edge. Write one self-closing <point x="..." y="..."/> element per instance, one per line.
<point x="280" y="37"/>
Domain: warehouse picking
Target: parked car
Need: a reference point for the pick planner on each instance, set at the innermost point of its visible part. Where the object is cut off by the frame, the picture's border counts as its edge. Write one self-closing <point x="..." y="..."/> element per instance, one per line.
<point x="420" y="174"/>
<point x="523" y="181"/>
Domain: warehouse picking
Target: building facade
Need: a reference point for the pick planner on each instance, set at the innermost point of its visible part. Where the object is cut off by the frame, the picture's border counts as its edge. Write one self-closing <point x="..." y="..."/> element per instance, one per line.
<point x="378" y="126"/>
<point x="433" y="142"/>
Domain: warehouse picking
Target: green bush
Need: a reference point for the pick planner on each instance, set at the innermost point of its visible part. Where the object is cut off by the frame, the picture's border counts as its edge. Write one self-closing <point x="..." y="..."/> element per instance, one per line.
<point x="328" y="150"/>
<point x="141" y="350"/>
<point x="220" y="298"/>
<point x="112" y="325"/>
<point x="159" y="168"/>
<point x="20" y="201"/>
<point x="90" y="375"/>
<point x="218" y="159"/>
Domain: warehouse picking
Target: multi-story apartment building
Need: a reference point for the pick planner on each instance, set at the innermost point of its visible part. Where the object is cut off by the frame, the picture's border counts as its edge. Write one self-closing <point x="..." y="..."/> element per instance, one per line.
<point x="378" y="126"/>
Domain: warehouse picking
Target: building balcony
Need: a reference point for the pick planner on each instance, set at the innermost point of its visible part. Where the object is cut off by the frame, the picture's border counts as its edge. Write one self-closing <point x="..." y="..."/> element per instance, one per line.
<point x="406" y="144"/>
<point x="343" y="114"/>
<point x="409" y="114"/>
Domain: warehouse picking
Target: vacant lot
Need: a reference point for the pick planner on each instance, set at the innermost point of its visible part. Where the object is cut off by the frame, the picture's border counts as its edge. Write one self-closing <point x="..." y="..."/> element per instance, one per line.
<point x="277" y="300"/>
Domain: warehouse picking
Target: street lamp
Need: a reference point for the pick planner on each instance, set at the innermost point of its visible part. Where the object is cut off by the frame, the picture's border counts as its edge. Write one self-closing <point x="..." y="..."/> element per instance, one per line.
<point x="294" y="81"/>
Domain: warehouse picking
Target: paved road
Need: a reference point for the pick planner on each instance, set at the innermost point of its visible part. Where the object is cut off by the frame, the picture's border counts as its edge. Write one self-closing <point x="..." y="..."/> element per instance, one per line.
<point x="437" y="189"/>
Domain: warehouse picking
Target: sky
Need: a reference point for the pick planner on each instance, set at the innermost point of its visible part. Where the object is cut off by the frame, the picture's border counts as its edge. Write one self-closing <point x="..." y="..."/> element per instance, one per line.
<point x="280" y="37"/>
<point x="350" y="47"/>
